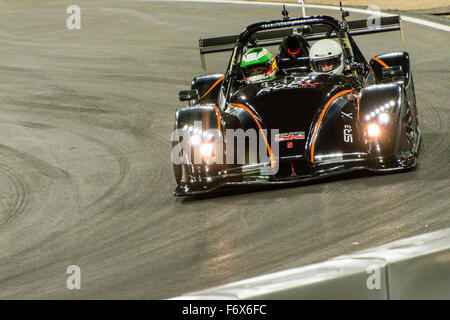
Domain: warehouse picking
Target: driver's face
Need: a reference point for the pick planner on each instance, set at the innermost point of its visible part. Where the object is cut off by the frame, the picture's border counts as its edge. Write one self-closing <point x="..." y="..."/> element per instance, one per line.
<point x="256" y="71"/>
<point x="326" y="65"/>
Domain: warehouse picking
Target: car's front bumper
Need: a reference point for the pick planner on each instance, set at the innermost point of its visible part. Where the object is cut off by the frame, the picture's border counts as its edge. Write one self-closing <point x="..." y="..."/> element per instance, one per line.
<point x="291" y="171"/>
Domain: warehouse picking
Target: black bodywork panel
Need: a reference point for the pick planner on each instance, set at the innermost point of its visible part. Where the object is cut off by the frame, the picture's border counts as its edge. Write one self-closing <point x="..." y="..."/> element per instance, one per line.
<point x="319" y="123"/>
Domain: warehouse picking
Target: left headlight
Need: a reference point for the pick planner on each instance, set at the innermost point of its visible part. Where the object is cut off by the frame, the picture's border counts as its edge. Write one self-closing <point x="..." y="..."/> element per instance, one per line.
<point x="196" y="140"/>
<point x="206" y="150"/>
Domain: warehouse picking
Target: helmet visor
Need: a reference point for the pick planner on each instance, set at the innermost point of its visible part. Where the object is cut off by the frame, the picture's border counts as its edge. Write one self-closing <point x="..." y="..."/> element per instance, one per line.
<point x="327" y="64"/>
<point x="256" y="69"/>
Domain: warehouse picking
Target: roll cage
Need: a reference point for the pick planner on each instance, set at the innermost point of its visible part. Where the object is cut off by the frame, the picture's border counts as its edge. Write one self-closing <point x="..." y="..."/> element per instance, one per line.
<point x="309" y="23"/>
<point x="311" y="28"/>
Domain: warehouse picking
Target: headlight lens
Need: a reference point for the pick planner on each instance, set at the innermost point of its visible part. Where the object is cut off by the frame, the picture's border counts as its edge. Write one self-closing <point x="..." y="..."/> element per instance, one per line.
<point x="373" y="130"/>
<point x="206" y="150"/>
<point x="196" y="140"/>
<point x="383" y="118"/>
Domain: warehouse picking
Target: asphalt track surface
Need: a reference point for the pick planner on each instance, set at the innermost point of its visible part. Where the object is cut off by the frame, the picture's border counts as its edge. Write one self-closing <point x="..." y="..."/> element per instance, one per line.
<point x="85" y="171"/>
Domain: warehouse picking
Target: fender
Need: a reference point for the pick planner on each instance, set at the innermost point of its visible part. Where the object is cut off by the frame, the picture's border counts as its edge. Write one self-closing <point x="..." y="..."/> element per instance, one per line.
<point x="191" y="121"/>
<point x="244" y="117"/>
<point x="398" y="59"/>
<point x="208" y="87"/>
<point x="196" y="120"/>
<point x="208" y="114"/>
<point x="335" y="132"/>
<point x="401" y="59"/>
<point x="387" y="99"/>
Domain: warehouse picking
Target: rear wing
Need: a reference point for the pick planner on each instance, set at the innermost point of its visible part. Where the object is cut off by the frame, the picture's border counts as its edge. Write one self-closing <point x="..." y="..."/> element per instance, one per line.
<point x="313" y="32"/>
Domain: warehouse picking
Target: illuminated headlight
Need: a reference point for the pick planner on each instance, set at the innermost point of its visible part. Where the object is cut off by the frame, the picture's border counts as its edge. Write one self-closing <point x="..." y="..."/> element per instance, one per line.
<point x="383" y="118"/>
<point x="206" y="150"/>
<point x="196" y="140"/>
<point x="373" y="130"/>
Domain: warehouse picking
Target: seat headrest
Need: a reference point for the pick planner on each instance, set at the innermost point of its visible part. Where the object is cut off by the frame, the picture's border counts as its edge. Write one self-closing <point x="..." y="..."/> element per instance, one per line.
<point x="293" y="46"/>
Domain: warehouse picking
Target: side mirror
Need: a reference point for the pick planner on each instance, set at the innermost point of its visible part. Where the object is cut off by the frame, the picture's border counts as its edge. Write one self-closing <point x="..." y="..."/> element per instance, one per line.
<point x="392" y="74"/>
<point x="189" y="95"/>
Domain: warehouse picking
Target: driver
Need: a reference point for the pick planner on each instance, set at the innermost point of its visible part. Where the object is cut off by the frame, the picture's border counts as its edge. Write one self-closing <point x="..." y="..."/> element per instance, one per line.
<point x="326" y="57"/>
<point x="258" y="64"/>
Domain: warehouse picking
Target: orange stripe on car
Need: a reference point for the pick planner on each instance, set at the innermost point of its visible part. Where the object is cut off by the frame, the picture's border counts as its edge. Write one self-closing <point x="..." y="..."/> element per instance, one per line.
<point x="212" y="87"/>
<point x="218" y="117"/>
<point x="272" y="158"/>
<point x="381" y="62"/>
<point x="316" y="129"/>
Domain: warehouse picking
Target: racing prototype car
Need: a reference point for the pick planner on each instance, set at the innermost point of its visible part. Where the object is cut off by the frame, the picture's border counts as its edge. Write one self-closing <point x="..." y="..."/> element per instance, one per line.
<point x="309" y="124"/>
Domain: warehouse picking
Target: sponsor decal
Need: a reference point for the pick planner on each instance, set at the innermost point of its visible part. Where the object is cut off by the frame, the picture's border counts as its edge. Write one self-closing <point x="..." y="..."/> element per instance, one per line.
<point x="300" y="135"/>
<point x="291" y="85"/>
<point x="348" y="135"/>
<point x="348" y="115"/>
<point x="290" y="144"/>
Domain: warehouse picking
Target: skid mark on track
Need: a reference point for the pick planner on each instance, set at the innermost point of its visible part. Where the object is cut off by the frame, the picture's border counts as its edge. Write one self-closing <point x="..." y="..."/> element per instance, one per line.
<point x="34" y="125"/>
<point x="432" y="127"/>
<point x="19" y="183"/>
<point x="41" y="166"/>
<point x="122" y="161"/>
<point x="52" y="106"/>
<point x="17" y="204"/>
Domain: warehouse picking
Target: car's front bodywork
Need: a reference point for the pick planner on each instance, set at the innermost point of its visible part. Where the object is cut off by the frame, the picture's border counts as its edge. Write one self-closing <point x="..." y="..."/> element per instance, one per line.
<point x="308" y="125"/>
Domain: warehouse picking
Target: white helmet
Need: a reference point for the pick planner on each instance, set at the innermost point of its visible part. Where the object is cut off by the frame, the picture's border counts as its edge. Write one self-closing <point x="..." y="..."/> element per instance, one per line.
<point x="326" y="57"/>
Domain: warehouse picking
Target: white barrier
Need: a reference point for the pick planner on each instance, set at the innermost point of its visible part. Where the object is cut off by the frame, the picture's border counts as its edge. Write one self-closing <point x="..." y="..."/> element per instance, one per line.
<point x="418" y="267"/>
<point x="414" y="268"/>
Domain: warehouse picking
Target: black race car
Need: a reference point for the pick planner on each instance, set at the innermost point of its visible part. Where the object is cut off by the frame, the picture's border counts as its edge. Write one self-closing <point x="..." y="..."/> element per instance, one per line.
<point x="308" y="125"/>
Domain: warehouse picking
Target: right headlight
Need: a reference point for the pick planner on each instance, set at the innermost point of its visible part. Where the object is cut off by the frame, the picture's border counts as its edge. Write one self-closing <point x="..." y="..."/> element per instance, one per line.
<point x="383" y="118"/>
<point x="373" y="130"/>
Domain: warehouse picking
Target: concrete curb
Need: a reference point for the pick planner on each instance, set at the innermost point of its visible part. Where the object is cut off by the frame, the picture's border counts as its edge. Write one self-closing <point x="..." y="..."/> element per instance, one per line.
<point x="414" y="268"/>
